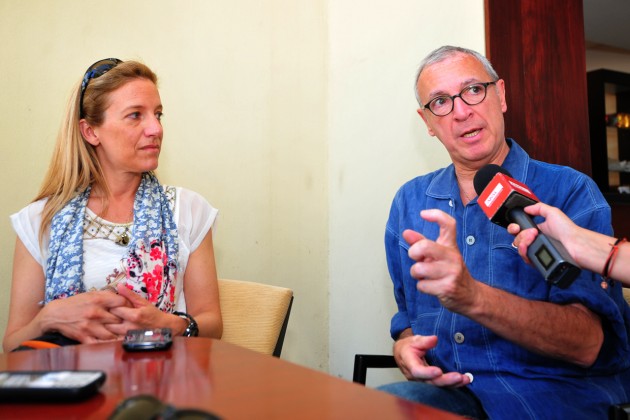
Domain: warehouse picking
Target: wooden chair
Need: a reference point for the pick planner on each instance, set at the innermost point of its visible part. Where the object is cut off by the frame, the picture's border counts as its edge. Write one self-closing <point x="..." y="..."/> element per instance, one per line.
<point x="255" y="315"/>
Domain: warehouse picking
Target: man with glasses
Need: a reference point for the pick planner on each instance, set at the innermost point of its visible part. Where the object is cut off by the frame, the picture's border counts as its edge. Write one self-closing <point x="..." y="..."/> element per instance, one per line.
<point x="479" y="332"/>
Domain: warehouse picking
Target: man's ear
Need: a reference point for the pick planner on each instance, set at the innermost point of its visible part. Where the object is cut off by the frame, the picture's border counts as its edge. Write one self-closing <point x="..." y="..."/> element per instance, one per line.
<point x="501" y="86"/>
<point x="88" y="133"/>
<point x="424" y="118"/>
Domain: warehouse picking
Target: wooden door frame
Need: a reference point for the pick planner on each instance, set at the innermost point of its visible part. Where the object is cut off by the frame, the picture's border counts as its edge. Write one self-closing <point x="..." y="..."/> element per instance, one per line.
<point x="538" y="48"/>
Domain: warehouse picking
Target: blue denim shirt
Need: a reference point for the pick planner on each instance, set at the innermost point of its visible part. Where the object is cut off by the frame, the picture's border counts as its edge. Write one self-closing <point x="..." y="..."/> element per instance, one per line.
<point x="509" y="380"/>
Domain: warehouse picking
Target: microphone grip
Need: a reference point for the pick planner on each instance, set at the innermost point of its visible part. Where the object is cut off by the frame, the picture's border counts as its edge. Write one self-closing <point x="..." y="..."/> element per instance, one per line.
<point x="517" y="215"/>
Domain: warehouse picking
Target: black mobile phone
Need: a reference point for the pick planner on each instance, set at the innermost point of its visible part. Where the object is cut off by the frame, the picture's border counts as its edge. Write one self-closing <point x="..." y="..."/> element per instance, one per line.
<point x="148" y="339"/>
<point x="51" y="385"/>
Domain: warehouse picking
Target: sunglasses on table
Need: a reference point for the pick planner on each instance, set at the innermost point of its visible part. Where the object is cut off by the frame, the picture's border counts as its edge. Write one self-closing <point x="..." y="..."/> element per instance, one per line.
<point x="148" y="407"/>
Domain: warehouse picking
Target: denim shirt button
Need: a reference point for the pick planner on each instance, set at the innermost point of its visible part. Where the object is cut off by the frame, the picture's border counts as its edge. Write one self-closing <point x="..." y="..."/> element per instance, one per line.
<point x="470" y="375"/>
<point x="450" y="203"/>
<point x="459" y="337"/>
<point x="470" y="239"/>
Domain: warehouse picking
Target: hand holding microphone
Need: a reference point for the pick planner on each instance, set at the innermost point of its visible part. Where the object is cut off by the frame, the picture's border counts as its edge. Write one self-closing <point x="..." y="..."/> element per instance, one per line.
<point x="503" y="198"/>
<point x="556" y="225"/>
<point x="599" y="253"/>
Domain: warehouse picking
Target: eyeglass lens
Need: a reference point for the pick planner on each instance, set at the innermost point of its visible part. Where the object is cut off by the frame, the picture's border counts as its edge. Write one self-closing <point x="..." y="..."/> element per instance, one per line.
<point x="471" y="95"/>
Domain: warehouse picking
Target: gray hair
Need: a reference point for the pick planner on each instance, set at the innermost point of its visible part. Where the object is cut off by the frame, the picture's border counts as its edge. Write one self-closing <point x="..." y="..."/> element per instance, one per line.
<point x="448" y="51"/>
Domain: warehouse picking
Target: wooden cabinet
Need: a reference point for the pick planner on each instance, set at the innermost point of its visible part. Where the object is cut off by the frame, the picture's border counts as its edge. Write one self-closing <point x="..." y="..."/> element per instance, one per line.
<point x="608" y="109"/>
<point x="608" y="106"/>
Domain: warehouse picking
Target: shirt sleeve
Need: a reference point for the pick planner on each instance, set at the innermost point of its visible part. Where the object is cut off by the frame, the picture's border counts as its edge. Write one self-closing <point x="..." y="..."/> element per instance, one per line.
<point x="196" y="217"/>
<point x="400" y="320"/>
<point x="26" y="224"/>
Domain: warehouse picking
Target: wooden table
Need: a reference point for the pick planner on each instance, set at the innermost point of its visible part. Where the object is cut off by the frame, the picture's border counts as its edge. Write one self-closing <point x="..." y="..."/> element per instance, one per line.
<point x="224" y="379"/>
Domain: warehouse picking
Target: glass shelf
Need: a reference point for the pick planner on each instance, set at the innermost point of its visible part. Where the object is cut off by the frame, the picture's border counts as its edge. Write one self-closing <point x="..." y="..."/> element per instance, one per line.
<point x="617" y="166"/>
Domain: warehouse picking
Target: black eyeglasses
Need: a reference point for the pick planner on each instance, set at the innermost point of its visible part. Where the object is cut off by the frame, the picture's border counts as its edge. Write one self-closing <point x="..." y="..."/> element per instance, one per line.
<point x="96" y="70"/>
<point x="443" y="105"/>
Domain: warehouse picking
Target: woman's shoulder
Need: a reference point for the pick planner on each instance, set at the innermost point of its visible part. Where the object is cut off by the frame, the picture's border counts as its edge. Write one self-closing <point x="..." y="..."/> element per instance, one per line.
<point x="194" y="214"/>
<point x="32" y="210"/>
<point x="26" y="224"/>
<point x="184" y="198"/>
<point x="184" y="194"/>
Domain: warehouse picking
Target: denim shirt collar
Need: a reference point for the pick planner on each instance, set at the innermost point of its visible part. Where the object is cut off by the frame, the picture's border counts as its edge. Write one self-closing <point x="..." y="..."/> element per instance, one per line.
<point x="444" y="185"/>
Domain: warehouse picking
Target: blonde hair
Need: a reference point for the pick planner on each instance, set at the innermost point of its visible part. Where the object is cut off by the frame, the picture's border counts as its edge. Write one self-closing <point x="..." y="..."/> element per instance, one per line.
<point x="74" y="165"/>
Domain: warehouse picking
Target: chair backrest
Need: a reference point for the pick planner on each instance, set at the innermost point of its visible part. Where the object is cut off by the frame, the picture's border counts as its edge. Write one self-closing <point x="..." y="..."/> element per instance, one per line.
<point x="255" y="315"/>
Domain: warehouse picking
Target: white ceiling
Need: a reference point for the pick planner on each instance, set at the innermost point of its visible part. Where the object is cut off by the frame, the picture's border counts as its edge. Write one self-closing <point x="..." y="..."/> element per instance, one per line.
<point x="607" y="22"/>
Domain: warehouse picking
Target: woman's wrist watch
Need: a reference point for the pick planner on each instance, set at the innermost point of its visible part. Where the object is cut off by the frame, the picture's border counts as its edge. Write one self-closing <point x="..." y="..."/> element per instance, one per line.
<point x="192" y="330"/>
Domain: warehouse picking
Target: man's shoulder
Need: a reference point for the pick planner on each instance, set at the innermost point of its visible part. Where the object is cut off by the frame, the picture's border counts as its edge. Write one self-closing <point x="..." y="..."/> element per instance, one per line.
<point x="572" y="191"/>
<point x="533" y="170"/>
<point x="547" y="167"/>
<point x="421" y="182"/>
<point x="545" y="176"/>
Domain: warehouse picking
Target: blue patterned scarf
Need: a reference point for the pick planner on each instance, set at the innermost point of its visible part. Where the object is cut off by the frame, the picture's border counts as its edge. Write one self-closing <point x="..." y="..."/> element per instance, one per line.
<point x="151" y="262"/>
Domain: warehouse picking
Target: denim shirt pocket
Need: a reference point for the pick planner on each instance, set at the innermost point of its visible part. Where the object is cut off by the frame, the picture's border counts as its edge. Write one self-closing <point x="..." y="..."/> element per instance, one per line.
<point x="509" y="272"/>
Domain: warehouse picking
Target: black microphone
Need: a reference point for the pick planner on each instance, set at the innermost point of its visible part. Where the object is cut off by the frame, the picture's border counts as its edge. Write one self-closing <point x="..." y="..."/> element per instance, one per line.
<point x="503" y="198"/>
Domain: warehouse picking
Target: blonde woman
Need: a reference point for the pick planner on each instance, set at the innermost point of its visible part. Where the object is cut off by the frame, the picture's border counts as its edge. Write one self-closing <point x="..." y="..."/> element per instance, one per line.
<point x="104" y="247"/>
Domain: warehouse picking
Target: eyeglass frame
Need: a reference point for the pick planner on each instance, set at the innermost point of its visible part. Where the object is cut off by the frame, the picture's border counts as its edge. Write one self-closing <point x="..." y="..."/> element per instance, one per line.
<point x="459" y="95"/>
<point x="93" y="72"/>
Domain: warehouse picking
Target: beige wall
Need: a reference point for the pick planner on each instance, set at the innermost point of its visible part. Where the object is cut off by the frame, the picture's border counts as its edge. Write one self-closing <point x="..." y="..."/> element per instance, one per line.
<point x="295" y="118"/>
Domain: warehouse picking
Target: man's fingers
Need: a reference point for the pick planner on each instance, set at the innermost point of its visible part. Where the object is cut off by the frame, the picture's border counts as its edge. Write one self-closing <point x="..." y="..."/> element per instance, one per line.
<point x="448" y="233"/>
<point x="431" y="259"/>
<point x="424" y="342"/>
<point x="451" y="379"/>
<point x="411" y="236"/>
<point x="425" y="373"/>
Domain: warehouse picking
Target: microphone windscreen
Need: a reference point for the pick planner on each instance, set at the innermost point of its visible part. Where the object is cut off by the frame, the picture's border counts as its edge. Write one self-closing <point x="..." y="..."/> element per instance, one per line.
<point x="485" y="175"/>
